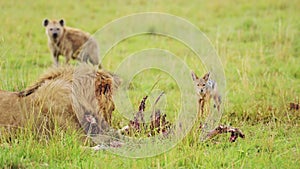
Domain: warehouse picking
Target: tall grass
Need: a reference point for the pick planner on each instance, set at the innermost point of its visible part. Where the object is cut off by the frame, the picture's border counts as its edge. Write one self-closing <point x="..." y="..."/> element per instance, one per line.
<point x="257" y="41"/>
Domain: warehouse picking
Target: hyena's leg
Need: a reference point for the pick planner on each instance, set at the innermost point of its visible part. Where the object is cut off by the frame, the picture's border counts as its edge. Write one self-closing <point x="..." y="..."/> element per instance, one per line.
<point x="55" y="55"/>
<point x="89" y="51"/>
<point x="67" y="60"/>
<point x="93" y="51"/>
<point x="68" y="57"/>
<point x="82" y="54"/>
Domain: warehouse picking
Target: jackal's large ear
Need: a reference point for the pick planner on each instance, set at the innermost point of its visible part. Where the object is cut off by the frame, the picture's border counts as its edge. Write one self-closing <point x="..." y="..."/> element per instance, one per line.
<point x="45" y="22"/>
<point x="206" y="76"/>
<point x="62" y="22"/>
<point x="194" y="76"/>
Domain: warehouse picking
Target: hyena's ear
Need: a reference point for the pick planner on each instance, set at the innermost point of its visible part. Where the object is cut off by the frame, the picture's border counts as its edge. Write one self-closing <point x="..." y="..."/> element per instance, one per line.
<point x="45" y="22"/>
<point x="194" y="76"/>
<point x="206" y="76"/>
<point x="62" y="22"/>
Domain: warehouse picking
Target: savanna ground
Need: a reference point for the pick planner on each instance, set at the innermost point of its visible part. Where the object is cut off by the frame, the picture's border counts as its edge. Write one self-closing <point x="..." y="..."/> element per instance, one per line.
<point x="258" y="43"/>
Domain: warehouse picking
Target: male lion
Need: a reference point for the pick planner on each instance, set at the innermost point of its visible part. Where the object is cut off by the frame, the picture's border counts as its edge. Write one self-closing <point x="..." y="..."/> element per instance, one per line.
<point x="71" y="96"/>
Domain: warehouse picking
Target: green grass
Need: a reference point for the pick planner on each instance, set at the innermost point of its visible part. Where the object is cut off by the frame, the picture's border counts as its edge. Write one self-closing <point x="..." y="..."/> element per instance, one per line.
<point x="258" y="43"/>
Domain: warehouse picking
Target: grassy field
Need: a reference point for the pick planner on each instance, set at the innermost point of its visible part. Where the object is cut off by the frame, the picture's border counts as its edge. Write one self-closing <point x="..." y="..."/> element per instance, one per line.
<point x="258" y="43"/>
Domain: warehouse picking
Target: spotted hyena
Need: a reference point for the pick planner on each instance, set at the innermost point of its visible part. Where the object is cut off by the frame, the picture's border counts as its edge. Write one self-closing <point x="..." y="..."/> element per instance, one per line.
<point x="70" y="42"/>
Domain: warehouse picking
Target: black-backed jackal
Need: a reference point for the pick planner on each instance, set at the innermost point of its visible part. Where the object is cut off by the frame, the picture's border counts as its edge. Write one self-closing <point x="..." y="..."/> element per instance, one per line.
<point x="206" y="88"/>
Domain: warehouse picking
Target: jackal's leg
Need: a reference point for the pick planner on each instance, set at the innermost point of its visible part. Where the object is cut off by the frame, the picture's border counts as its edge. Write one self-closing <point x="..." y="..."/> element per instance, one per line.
<point x="217" y="100"/>
<point x="200" y="107"/>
